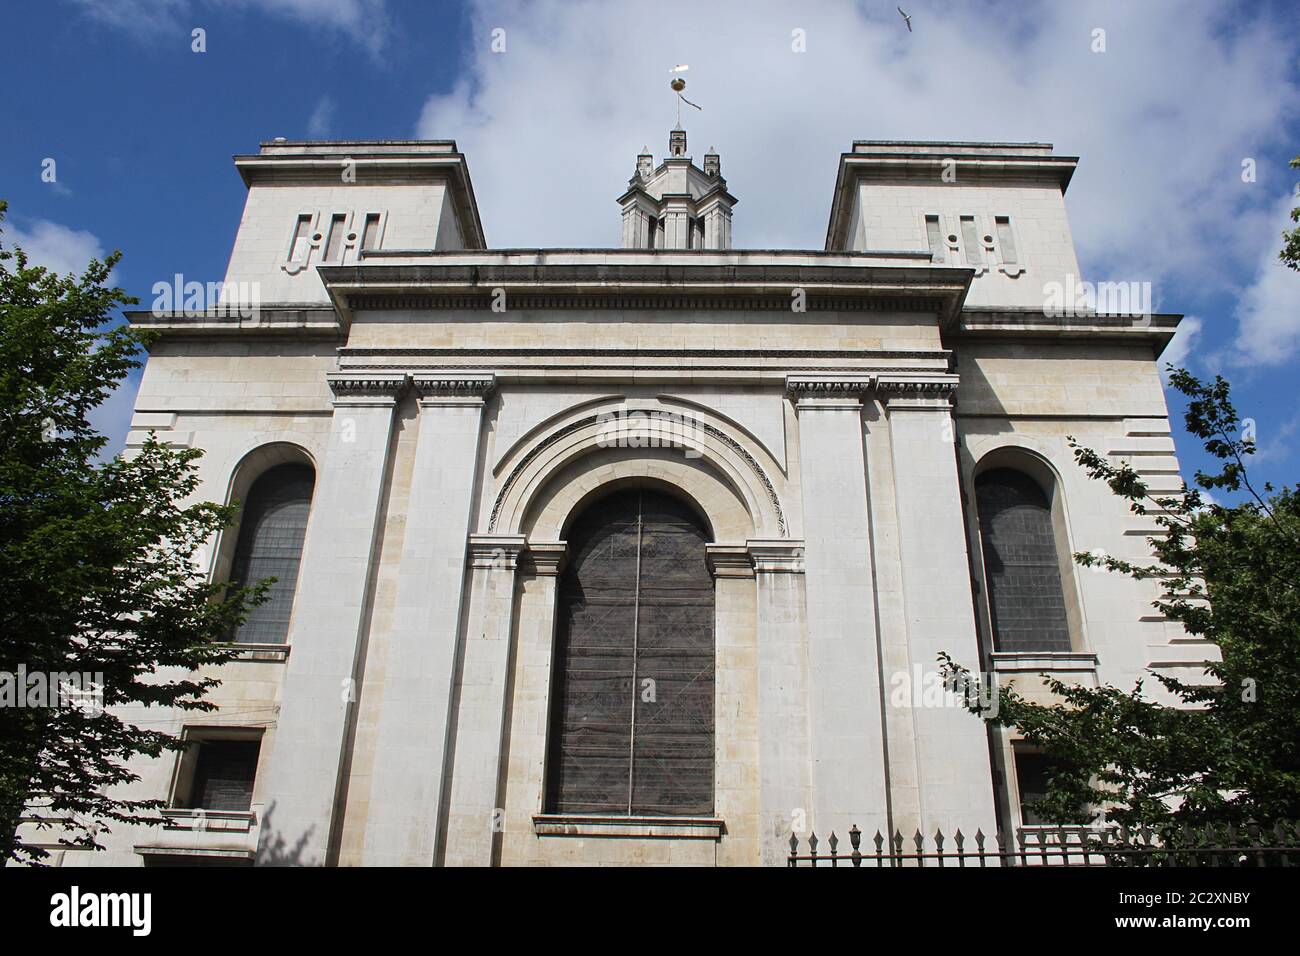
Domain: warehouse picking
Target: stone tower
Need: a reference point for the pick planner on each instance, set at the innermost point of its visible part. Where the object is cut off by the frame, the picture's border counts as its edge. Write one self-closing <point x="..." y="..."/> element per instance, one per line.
<point x="677" y="205"/>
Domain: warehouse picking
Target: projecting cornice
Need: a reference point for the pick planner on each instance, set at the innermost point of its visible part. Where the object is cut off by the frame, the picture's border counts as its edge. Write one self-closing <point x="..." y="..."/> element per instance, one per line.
<point x="794" y="282"/>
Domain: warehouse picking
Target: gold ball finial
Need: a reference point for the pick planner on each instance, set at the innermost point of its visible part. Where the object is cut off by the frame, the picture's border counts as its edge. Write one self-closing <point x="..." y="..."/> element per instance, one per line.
<point x="678" y="84"/>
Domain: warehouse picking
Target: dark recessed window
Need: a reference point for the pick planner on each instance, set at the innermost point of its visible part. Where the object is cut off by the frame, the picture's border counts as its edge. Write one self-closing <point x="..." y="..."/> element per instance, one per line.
<point x="1021" y="563"/>
<point x="632" y="714"/>
<point x="223" y="775"/>
<point x="271" y="534"/>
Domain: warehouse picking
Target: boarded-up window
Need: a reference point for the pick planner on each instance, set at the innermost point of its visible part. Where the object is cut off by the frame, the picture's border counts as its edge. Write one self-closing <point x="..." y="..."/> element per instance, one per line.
<point x="632" y="713"/>
<point x="223" y="774"/>
<point x="271" y="534"/>
<point x="1021" y="568"/>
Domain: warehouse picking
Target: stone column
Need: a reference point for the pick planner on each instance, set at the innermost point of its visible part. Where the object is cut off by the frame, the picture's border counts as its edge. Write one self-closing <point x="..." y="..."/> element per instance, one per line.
<point x="955" y="781"/>
<point x="475" y="816"/>
<point x="846" y="727"/>
<point x="329" y="623"/>
<point x="411" y="743"/>
<point x="784" y="761"/>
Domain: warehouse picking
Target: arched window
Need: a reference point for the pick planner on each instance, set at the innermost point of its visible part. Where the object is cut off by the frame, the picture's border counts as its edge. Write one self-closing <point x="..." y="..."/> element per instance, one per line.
<point x="1021" y="563"/>
<point x="632" y="708"/>
<point x="271" y="533"/>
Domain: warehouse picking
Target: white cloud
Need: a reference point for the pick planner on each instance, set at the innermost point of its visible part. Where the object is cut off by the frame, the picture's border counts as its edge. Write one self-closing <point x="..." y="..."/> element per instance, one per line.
<point x="321" y="123"/>
<point x="1268" y="311"/>
<point x="366" y="21"/>
<point x="1161" y="120"/>
<point x="1179" y="349"/>
<point x="56" y="247"/>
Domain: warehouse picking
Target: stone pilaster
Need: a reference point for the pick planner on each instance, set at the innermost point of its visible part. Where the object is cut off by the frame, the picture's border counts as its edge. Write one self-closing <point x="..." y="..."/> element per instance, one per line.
<point x="411" y="743"/>
<point x="327" y="634"/>
<point x="955" y="781"/>
<point x="844" y="688"/>
<point x="475" y="815"/>
<point x="784" y="763"/>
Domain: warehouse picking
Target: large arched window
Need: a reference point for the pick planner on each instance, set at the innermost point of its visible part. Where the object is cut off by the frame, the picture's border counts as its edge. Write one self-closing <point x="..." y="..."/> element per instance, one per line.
<point x="1021" y="563"/>
<point x="632" y="706"/>
<point x="271" y="533"/>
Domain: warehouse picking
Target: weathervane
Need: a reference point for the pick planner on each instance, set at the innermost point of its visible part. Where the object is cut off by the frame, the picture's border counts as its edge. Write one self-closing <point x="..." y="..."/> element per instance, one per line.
<point x="678" y="84"/>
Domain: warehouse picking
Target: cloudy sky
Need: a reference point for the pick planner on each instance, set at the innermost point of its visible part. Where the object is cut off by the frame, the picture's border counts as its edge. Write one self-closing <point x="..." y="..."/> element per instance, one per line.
<point x="551" y="101"/>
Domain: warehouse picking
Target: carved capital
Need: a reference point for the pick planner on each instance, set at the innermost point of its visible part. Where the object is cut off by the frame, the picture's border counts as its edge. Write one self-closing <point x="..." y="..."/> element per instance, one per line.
<point x="916" y="391"/>
<point x="729" y="560"/>
<point x="544" y="558"/>
<point x="366" y="388"/>
<point x="776" y="555"/>
<point x="436" y="388"/>
<point x="829" y="390"/>
<point x="495" y="552"/>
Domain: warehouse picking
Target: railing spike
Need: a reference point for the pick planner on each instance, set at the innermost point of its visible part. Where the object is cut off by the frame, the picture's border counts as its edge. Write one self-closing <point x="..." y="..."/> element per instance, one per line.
<point x="855" y="836"/>
<point x="794" y="843"/>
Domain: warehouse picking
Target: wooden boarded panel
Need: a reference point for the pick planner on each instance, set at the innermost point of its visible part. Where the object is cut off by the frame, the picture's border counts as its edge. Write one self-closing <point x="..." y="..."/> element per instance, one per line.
<point x="632" y="717"/>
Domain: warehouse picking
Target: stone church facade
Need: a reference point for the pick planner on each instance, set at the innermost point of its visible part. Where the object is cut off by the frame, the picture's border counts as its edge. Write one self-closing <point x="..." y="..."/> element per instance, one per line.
<point x="644" y="555"/>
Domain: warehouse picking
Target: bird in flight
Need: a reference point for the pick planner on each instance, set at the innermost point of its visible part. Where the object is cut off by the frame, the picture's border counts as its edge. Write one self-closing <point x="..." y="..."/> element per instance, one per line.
<point x="906" y="19"/>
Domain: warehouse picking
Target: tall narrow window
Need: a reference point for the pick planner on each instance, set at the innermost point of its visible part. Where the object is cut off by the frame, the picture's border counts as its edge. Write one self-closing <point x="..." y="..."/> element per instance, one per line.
<point x="300" y="244"/>
<point x="970" y="241"/>
<point x="370" y="234"/>
<point x="1021" y="565"/>
<point x="270" y="545"/>
<point x="1006" y="240"/>
<point x="1032" y="771"/>
<point x="334" y="242"/>
<point x="632" y="712"/>
<point x="934" y="236"/>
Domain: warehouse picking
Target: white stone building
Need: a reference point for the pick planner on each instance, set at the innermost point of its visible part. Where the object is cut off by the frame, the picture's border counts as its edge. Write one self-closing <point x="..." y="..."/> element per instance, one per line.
<point x="644" y="555"/>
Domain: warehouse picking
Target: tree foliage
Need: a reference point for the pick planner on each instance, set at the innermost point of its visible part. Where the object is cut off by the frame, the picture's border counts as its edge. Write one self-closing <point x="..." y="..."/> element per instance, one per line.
<point x="1228" y="750"/>
<point x="1290" y="253"/>
<point x="99" y="564"/>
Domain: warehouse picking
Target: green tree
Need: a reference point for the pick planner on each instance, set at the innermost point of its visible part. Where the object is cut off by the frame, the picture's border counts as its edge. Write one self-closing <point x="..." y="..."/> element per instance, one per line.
<point x="1229" y="750"/>
<point x="1290" y="253"/>
<point x="98" y="560"/>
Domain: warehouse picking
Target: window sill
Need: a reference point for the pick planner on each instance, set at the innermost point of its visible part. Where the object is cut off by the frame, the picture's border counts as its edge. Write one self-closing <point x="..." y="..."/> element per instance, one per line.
<point x="1032" y="662"/>
<point x="655" y="828"/>
<point x="262" y="652"/>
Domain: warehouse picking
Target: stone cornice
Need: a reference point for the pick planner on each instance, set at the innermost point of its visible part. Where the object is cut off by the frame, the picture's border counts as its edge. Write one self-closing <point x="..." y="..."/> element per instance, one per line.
<point x="916" y="391"/>
<point x="367" y="388"/>
<point x="848" y="385"/>
<point x="916" y="386"/>
<point x="434" y="387"/>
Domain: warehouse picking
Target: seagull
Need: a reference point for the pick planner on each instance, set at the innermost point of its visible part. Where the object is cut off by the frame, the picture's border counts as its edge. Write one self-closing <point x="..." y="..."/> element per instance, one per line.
<point x="906" y="19"/>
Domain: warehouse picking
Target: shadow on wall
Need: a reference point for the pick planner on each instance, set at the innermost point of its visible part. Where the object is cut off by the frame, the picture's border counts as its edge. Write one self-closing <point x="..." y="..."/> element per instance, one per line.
<point x="276" y="851"/>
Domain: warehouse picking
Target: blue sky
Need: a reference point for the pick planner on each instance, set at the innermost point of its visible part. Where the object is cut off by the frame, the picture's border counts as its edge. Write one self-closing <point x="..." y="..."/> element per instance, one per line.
<point x="142" y="128"/>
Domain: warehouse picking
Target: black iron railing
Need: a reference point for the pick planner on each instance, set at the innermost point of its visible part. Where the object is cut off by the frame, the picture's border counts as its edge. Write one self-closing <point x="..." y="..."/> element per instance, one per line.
<point x="1252" y="845"/>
